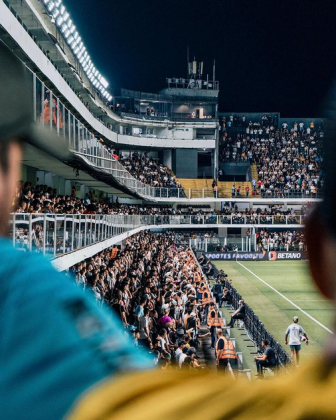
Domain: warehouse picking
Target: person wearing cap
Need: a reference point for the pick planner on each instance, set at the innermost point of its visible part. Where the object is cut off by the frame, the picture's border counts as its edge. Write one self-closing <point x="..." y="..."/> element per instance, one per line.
<point x="55" y="340"/>
<point x="296" y="334"/>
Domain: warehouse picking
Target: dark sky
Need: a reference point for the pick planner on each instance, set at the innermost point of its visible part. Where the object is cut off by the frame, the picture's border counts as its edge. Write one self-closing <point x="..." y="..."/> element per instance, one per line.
<point x="271" y="55"/>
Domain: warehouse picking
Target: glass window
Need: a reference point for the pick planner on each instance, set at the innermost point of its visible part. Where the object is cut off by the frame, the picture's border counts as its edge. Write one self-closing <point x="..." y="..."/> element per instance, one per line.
<point x="60" y="118"/>
<point x="72" y="127"/>
<point x="66" y="124"/>
<point x="39" y="100"/>
<point x="54" y="112"/>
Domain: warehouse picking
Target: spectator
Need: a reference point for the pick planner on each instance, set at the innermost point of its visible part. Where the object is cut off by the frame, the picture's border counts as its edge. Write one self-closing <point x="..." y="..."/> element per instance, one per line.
<point x="266" y="360"/>
<point x="238" y="314"/>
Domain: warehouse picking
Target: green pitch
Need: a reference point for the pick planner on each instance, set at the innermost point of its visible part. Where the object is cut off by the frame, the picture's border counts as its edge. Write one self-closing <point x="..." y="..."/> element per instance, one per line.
<point x="291" y="279"/>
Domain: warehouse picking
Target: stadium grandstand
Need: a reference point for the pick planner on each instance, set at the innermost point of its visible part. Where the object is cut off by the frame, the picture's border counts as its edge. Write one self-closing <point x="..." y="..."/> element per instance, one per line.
<point x="176" y="226"/>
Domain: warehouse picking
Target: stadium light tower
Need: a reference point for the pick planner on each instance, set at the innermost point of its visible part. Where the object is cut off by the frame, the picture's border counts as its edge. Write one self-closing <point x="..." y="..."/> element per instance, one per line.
<point x="61" y="18"/>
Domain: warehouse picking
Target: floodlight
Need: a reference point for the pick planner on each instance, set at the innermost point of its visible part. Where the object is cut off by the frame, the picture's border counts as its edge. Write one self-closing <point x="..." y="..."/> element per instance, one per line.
<point x="104" y="82"/>
<point x="61" y="17"/>
<point x="59" y="21"/>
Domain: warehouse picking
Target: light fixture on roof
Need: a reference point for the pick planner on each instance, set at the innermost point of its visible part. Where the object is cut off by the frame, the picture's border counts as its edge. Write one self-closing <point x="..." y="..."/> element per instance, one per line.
<point x="51" y="5"/>
<point x="61" y="18"/>
<point x="104" y="82"/>
<point x="59" y="21"/>
<point x="55" y="13"/>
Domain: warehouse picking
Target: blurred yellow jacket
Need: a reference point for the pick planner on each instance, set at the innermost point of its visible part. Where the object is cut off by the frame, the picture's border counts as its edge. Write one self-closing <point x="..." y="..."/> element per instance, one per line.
<point x="309" y="393"/>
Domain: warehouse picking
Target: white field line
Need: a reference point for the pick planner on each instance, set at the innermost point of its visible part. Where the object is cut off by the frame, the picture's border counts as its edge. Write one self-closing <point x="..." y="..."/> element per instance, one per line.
<point x="309" y="300"/>
<point x="286" y="298"/>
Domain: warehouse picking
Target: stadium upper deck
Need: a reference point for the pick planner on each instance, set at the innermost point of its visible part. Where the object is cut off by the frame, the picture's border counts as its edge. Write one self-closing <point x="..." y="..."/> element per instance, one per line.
<point x="71" y="97"/>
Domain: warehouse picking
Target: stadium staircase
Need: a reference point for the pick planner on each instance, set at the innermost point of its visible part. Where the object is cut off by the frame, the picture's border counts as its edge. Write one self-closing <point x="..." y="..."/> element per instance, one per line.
<point x="254" y="171"/>
<point x="196" y="186"/>
<point x="224" y="188"/>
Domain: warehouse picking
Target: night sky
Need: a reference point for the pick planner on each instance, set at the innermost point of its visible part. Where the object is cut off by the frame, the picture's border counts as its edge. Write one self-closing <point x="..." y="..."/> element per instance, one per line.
<point x="270" y="55"/>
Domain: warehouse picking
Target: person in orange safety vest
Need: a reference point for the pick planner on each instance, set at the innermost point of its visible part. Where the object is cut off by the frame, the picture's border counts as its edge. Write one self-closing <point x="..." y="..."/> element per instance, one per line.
<point x="225" y="353"/>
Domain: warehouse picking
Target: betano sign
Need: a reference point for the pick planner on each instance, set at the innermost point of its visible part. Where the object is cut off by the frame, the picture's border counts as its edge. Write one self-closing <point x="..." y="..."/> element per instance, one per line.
<point x="258" y="256"/>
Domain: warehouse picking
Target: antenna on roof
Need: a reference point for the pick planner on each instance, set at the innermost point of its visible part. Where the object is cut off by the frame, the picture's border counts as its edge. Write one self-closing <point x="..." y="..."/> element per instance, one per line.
<point x="214" y="72"/>
<point x="188" y="60"/>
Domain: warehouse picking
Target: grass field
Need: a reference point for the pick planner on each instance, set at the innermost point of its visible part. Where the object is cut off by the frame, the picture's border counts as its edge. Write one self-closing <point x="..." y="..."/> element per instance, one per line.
<point x="293" y="281"/>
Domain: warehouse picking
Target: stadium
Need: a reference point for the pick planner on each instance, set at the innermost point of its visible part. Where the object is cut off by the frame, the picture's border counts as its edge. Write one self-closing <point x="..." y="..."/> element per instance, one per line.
<point x="153" y="232"/>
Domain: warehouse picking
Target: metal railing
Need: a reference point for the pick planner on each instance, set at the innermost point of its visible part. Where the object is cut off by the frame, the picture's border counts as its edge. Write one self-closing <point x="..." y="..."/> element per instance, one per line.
<point x="58" y="234"/>
<point x="214" y="219"/>
<point x="257" y="330"/>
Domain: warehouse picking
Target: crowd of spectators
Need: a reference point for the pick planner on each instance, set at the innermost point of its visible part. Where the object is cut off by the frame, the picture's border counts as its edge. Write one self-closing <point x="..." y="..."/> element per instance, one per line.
<point x="31" y="198"/>
<point x="157" y="290"/>
<point x="149" y="171"/>
<point x="280" y="241"/>
<point x="258" y="215"/>
<point x="45" y="200"/>
<point x="288" y="160"/>
<point x="234" y="120"/>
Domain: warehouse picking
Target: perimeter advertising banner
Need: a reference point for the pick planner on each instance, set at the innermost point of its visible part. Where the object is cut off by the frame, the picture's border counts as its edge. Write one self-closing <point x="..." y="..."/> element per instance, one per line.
<point x="258" y="256"/>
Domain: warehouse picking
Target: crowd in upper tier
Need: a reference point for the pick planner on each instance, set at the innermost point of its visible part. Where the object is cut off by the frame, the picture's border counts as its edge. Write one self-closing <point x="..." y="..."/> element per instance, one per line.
<point x="154" y="286"/>
<point x="280" y="241"/>
<point x="288" y="161"/>
<point x="258" y="215"/>
<point x="149" y="171"/>
<point x="43" y="199"/>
